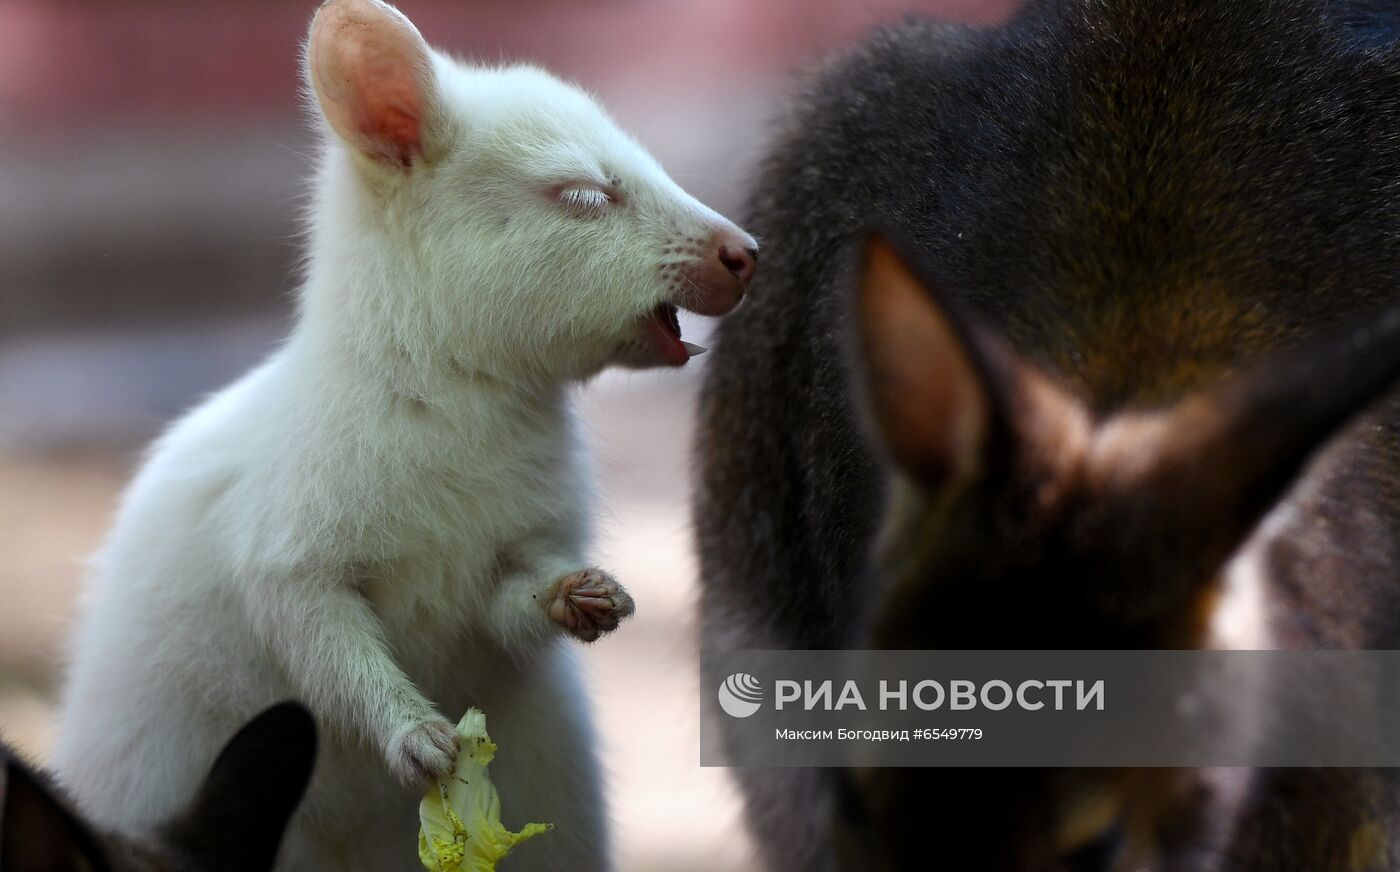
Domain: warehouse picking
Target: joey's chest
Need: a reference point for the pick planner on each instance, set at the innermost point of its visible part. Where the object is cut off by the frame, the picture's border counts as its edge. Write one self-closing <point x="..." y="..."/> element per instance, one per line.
<point x="437" y="589"/>
<point x="463" y="481"/>
<point x="454" y="520"/>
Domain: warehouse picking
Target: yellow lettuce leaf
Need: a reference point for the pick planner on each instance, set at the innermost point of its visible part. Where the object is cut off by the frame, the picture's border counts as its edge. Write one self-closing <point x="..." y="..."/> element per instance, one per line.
<point x="461" y="814"/>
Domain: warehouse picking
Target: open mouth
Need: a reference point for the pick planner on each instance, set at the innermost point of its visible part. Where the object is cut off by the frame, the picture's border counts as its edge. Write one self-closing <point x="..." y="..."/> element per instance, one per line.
<point x="662" y="328"/>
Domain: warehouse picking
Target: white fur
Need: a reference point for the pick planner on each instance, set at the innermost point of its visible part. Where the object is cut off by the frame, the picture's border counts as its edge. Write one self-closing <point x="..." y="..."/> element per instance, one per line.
<point x="365" y="521"/>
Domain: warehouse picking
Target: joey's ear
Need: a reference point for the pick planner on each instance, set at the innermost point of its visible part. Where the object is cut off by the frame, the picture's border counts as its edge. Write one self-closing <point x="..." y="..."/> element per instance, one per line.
<point x="1215" y="463"/>
<point x="373" y="78"/>
<point x="37" y="831"/>
<point x="237" y="818"/>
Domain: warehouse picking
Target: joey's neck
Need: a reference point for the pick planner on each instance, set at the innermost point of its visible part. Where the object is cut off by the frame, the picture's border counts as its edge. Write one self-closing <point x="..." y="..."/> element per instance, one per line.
<point x="349" y="349"/>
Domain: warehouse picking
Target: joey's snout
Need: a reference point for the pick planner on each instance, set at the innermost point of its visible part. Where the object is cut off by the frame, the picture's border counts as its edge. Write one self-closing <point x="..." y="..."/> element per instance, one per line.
<point x="708" y="276"/>
<point x="714" y="283"/>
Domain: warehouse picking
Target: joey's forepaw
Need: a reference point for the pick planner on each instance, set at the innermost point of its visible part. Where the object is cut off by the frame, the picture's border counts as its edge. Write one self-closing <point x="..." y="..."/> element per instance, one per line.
<point x="424" y="751"/>
<point x="588" y="603"/>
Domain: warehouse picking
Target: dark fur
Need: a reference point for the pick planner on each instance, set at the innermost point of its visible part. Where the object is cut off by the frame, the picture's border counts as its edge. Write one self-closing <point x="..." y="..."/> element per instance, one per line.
<point x="234" y="824"/>
<point x="1139" y="197"/>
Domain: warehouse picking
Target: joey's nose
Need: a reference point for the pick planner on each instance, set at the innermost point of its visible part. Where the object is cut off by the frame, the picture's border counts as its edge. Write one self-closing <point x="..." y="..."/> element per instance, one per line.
<point x="740" y="258"/>
<point x="715" y="281"/>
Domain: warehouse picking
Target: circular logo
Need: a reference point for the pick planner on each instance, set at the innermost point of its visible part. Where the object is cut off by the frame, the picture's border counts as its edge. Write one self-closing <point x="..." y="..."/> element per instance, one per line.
<point x="740" y="695"/>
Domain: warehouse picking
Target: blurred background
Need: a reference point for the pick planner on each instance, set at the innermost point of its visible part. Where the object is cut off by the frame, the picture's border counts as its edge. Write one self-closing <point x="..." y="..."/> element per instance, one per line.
<point x="152" y="165"/>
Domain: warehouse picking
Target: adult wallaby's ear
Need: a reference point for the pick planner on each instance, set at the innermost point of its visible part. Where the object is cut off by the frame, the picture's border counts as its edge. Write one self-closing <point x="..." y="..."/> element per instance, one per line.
<point x="929" y="384"/>
<point x="38" y="833"/>
<point x="949" y="400"/>
<point x="1215" y="463"/>
<point x="373" y="77"/>
<point x="237" y="819"/>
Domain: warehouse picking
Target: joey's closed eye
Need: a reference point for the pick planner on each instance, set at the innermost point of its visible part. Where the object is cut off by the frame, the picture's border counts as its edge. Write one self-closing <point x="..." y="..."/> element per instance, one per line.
<point x="585" y="201"/>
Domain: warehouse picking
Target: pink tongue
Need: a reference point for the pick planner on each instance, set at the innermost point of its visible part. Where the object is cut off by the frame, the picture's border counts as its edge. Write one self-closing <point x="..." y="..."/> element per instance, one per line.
<point x="666" y="344"/>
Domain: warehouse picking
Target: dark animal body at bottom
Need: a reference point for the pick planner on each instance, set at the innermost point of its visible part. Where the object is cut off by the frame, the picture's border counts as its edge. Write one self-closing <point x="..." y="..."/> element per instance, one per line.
<point x="234" y="824"/>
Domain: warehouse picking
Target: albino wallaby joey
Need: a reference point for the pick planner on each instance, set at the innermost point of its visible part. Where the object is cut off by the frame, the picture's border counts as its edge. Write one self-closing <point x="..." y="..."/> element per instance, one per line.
<point x="1116" y="387"/>
<point x="388" y="518"/>
<point x="234" y="823"/>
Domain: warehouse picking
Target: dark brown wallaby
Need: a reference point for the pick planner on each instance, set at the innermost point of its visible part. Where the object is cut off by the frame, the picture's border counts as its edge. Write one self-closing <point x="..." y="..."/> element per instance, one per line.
<point x="1122" y="381"/>
<point x="1061" y="527"/>
<point x="234" y="823"/>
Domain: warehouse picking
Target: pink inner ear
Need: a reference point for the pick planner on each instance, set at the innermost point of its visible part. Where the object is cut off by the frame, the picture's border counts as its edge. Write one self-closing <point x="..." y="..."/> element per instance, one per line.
<point x="389" y="107"/>
<point x="370" y="69"/>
